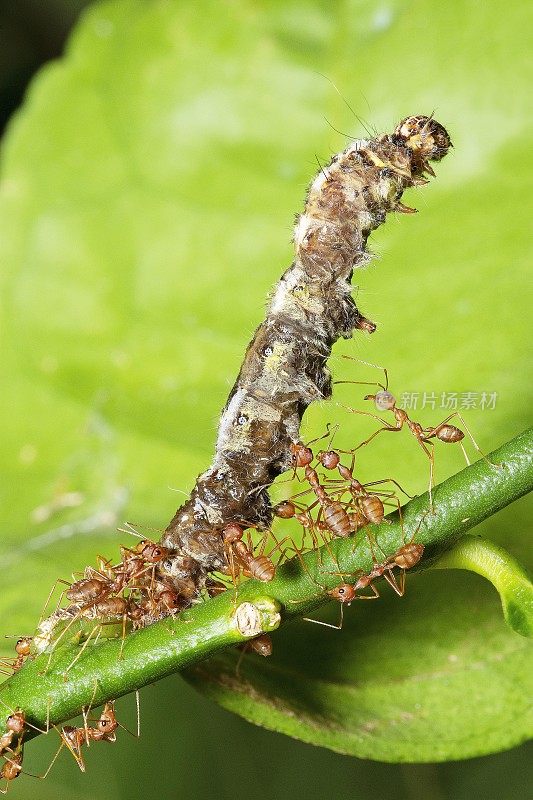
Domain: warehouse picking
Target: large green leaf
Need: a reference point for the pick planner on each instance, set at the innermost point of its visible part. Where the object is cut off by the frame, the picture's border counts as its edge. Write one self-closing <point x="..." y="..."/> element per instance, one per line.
<point x="403" y="681"/>
<point x="147" y="193"/>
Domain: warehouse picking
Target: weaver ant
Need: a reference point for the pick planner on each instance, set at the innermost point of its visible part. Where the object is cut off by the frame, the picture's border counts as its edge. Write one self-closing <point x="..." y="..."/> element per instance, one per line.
<point x="335" y="516"/>
<point x="11" y="747"/>
<point x="260" y="567"/>
<point x="15" y="726"/>
<point x="369" y="505"/>
<point x="406" y="557"/>
<point x="23" y="651"/>
<point x="104" y="730"/>
<point x="11" y="768"/>
<point x="444" y="431"/>
<point x="340" y="519"/>
<point x="261" y="645"/>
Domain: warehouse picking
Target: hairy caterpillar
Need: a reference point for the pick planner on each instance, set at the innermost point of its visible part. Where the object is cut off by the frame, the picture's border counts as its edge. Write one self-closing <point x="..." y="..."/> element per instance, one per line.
<point x="284" y="368"/>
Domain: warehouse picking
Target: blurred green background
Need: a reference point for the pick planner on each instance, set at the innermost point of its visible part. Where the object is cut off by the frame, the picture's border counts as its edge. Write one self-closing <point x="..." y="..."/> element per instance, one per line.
<point x="148" y="188"/>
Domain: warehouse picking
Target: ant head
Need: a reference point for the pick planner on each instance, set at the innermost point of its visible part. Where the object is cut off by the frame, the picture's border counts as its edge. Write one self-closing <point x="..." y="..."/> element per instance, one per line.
<point x="262" y="645"/>
<point x="329" y="459"/>
<point x="384" y="400"/>
<point x="284" y="510"/>
<point x="424" y="136"/>
<point x="23" y="646"/>
<point x="107" y="719"/>
<point x="15" y="722"/>
<point x="343" y="593"/>
<point x="232" y="533"/>
<point x="301" y="455"/>
<point x="152" y="552"/>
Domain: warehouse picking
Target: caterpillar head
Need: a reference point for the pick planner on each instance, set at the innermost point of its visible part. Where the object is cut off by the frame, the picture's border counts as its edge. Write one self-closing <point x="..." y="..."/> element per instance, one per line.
<point x="424" y="136"/>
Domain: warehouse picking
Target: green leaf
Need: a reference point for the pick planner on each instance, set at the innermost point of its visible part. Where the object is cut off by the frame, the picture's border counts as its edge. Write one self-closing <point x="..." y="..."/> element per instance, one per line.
<point x="495" y="564"/>
<point x="147" y="192"/>
<point x="433" y="676"/>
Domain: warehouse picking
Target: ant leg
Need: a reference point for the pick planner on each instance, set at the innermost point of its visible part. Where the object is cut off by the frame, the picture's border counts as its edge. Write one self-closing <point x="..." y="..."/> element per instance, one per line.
<point x="52" y="590"/>
<point x="279" y="544"/>
<point x="234" y="574"/>
<point x="372" y="543"/>
<point x="84" y="645"/>
<point x="124" y="728"/>
<point x="402" y="583"/>
<point x="306" y="570"/>
<point x="86" y="711"/>
<point x="368" y="364"/>
<point x="243" y="652"/>
<point x="54" y="644"/>
<point x="400" y="514"/>
<point x="390" y="480"/>
<point x="431" y="479"/>
<point x="325" y="435"/>
<point x="124" y="621"/>
<point x="75" y="751"/>
<point x="395" y="500"/>
<point x="422" y="440"/>
<point x="386" y="427"/>
<point x="391" y="580"/>
<point x="138" y="705"/>
<point x="369" y="596"/>
<point x="366" y="414"/>
<point x="328" y="624"/>
<point x="470" y="436"/>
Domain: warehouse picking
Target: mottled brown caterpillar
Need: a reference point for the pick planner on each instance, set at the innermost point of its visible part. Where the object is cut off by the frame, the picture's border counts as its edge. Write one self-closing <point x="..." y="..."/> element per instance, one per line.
<point x="284" y="369"/>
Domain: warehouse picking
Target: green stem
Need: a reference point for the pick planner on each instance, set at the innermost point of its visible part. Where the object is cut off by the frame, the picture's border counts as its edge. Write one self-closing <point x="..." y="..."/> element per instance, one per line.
<point x="46" y="688"/>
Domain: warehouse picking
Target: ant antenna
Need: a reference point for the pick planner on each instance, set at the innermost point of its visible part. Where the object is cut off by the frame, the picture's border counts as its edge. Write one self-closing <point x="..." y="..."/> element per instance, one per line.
<point x="128" y="528"/>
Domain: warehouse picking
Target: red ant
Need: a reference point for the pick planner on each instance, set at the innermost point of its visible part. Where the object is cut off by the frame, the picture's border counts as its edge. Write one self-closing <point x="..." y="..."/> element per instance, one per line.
<point x="11" y="747"/>
<point x="15" y="726"/>
<point x="94" y="595"/>
<point x="160" y="600"/>
<point x="406" y="557"/>
<point x="23" y="651"/>
<point x="444" y="432"/>
<point x="260" y="567"/>
<point x="137" y="561"/>
<point x="335" y="516"/>
<point x="11" y="768"/>
<point x="261" y="646"/>
<point x="288" y="509"/>
<point x="74" y="737"/>
<point x="369" y="504"/>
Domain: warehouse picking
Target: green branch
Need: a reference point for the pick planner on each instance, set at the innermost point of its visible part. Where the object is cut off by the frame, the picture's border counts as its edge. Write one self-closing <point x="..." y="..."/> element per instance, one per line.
<point x="111" y="668"/>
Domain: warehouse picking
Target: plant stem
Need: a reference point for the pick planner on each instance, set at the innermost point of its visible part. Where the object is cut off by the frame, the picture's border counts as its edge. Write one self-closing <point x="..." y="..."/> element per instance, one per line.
<point x="46" y="688"/>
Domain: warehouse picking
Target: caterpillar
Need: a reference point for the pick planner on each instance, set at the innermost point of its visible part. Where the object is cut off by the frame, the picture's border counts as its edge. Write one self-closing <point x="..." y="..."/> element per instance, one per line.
<point x="285" y="365"/>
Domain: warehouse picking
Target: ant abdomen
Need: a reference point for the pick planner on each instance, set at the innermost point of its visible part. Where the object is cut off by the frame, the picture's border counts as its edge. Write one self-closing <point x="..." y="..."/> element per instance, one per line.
<point x="373" y="509"/>
<point x="337" y="519"/>
<point x="449" y="433"/>
<point x="409" y="555"/>
<point x="262" y="568"/>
